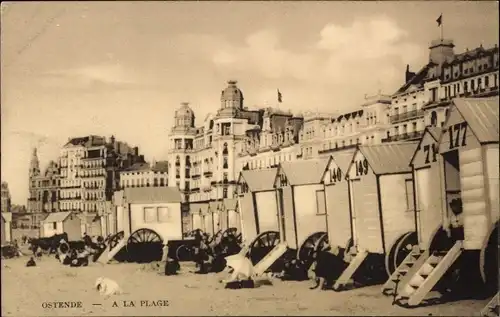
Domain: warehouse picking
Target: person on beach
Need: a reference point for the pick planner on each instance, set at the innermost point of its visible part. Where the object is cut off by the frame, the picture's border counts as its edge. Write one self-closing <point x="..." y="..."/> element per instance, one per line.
<point x="31" y="262"/>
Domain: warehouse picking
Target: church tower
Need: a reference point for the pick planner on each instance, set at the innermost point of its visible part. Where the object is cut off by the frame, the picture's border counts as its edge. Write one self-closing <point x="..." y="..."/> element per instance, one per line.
<point x="34" y="164"/>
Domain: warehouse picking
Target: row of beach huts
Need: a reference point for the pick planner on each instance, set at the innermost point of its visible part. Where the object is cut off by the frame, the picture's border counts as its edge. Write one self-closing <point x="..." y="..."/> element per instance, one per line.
<point x="416" y="217"/>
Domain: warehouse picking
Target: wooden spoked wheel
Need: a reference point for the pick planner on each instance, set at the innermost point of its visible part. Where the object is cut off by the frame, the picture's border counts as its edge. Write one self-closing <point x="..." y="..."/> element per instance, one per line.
<point x="230" y="232"/>
<point x="184" y="253"/>
<point x="262" y="245"/>
<point x="114" y="239"/>
<point x="488" y="262"/>
<point x="316" y="242"/>
<point x="145" y="245"/>
<point x="64" y="248"/>
<point x="399" y="251"/>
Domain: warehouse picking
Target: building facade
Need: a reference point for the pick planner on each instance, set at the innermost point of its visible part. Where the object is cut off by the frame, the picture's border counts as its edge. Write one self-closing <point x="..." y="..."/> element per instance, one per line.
<point x="43" y="187"/>
<point x="425" y="97"/>
<point x="145" y="175"/>
<point x="90" y="169"/>
<point x="6" y="199"/>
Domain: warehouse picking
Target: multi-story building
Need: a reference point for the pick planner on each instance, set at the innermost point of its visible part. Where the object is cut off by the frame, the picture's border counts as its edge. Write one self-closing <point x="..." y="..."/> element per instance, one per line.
<point x="145" y="175"/>
<point x="90" y="169"/>
<point x="424" y="98"/>
<point x="6" y="201"/>
<point x="43" y="187"/>
<point x="205" y="161"/>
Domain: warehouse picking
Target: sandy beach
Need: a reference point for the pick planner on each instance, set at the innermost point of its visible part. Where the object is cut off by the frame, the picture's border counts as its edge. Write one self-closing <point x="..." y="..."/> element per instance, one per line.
<point x="25" y="291"/>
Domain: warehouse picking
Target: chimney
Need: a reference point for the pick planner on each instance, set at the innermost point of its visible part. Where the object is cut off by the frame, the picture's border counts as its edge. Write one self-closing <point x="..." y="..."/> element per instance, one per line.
<point x="408" y="75"/>
<point x="136" y="150"/>
<point x="440" y="50"/>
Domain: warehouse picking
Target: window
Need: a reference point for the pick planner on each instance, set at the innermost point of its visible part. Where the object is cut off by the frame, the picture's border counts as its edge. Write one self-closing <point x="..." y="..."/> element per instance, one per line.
<point x="224" y="192"/>
<point x="163" y="214"/>
<point x="486" y="81"/>
<point x="54" y="225"/>
<point x="409" y="195"/>
<point x="150" y="214"/>
<point x="320" y="202"/>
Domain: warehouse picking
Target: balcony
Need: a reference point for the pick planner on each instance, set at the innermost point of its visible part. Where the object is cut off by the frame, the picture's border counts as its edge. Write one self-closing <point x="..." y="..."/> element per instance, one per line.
<point x="406" y="116"/>
<point x="208" y="173"/>
<point x="404" y="137"/>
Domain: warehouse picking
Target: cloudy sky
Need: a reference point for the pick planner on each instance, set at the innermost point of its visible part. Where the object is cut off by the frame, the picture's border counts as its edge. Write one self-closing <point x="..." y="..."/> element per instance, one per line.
<point x="73" y="69"/>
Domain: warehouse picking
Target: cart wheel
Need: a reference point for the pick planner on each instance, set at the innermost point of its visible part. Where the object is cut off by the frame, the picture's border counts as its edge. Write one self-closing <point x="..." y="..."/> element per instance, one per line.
<point x="183" y="253"/>
<point x="145" y="245"/>
<point x="398" y="252"/>
<point x="262" y="245"/>
<point x="114" y="239"/>
<point x="318" y="241"/>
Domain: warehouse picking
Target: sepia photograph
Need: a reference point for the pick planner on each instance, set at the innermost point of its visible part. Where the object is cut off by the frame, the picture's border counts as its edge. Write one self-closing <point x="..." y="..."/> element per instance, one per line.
<point x="239" y="158"/>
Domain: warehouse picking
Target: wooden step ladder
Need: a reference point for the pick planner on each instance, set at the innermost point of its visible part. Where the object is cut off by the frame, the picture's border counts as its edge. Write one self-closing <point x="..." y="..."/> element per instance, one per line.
<point x="491" y="309"/>
<point x="345" y="277"/>
<point x="107" y="255"/>
<point x="404" y="271"/>
<point x="270" y="258"/>
<point x="427" y="275"/>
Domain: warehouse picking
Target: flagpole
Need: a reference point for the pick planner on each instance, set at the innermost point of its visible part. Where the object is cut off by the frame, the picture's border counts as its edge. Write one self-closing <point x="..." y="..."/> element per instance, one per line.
<point x="442" y="32"/>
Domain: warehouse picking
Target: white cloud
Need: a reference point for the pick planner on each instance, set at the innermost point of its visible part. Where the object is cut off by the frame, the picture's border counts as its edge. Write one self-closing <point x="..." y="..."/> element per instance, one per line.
<point x="363" y="57"/>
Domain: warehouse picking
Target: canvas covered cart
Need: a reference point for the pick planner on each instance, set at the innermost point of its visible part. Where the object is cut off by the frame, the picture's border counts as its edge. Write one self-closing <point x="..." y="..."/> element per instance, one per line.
<point x="382" y="213"/>
<point x="467" y="247"/>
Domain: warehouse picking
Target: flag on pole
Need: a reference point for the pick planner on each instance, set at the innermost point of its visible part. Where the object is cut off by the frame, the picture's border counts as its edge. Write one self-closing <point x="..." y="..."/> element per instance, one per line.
<point x="280" y="97"/>
<point x="440" y="20"/>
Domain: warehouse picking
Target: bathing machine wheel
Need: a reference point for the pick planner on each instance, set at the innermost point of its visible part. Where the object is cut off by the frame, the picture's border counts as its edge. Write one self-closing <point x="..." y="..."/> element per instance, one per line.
<point x="145" y="245"/>
<point x="399" y="251"/>
<point x="262" y="245"/>
<point x="114" y="239"/>
<point x="488" y="262"/>
<point x="316" y="242"/>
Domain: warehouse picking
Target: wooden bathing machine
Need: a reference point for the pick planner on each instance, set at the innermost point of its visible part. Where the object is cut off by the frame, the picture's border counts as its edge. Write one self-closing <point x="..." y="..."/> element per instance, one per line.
<point x="214" y="208"/>
<point x="382" y="212"/>
<point x="463" y="257"/>
<point x="258" y="211"/>
<point x="428" y="201"/>
<point x="230" y="217"/>
<point x="196" y="210"/>
<point x="302" y="207"/>
<point x="338" y="210"/>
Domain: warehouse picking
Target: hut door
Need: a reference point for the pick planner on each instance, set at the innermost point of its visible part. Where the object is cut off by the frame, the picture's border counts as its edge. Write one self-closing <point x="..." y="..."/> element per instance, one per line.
<point x="352" y="190"/>
<point x="281" y="214"/>
<point x="453" y="192"/>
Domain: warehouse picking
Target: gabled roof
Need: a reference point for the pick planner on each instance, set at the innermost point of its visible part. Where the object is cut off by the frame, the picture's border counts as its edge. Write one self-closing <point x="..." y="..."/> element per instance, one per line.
<point x="481" y="115"/>
<point x="145" y="195"/>
<point x="305" y="172"/>
<point x="195" y="208"/>
<point x="230" y="203"/>
<point x="57" y="216"/>
<point x="389" y="158"/>
<point x="215" y="205"/>
<point x="343" y="158"/>
<point x="260" y="180"/>
<point x="434" y="132"/>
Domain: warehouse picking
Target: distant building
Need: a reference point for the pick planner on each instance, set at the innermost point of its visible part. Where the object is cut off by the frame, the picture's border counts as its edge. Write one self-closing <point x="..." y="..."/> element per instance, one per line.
<point x="145" y="175"/>
<point x="43" y="187"/>
<point x="6" y="200"/>
<point x="60" y="222"/>
<point x="425" y="97"/>
<point x="6" y="227"/>
<point x="90" y="168"/>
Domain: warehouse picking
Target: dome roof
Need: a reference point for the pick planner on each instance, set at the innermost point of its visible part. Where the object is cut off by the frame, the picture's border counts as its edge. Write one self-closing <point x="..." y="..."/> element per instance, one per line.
<point x="232" y="92"/>
<point x="184" y="111"/>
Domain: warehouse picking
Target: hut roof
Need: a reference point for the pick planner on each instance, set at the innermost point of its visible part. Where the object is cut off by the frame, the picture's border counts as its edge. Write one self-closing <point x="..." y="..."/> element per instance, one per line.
<point x="389" y="158"/>
<point x="230" y="203"/>
<point x="305" y="172"/>
<point x="481" y="115"/>
<point x="144" y="195"/>
<point x="57" y="216"/>
<point x="7" y="216"/>
<point x="260" y="180"/>
<point x="197" y="207"/>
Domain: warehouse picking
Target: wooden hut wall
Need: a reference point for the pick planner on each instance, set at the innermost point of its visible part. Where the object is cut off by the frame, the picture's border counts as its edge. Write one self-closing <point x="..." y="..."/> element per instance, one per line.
<point x="267" y="210"/>
<point x="365" y="208"/>
<point x="223" y="222"/>
<point x="428" y="189"/>
<point x="233" y="219"/>
<point x="208" y="223"/>
<point x="289" y="216"/>
<point x="492" y="165"/>
<point x="308" y="216"/>
<point x="197" y="221"/>
<point x="216" y="219"/>
<point x="471" y="184"/>
<point x="337" y="207"/>
<point x="247" y="214"/>
<point x="398" y="210"/>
